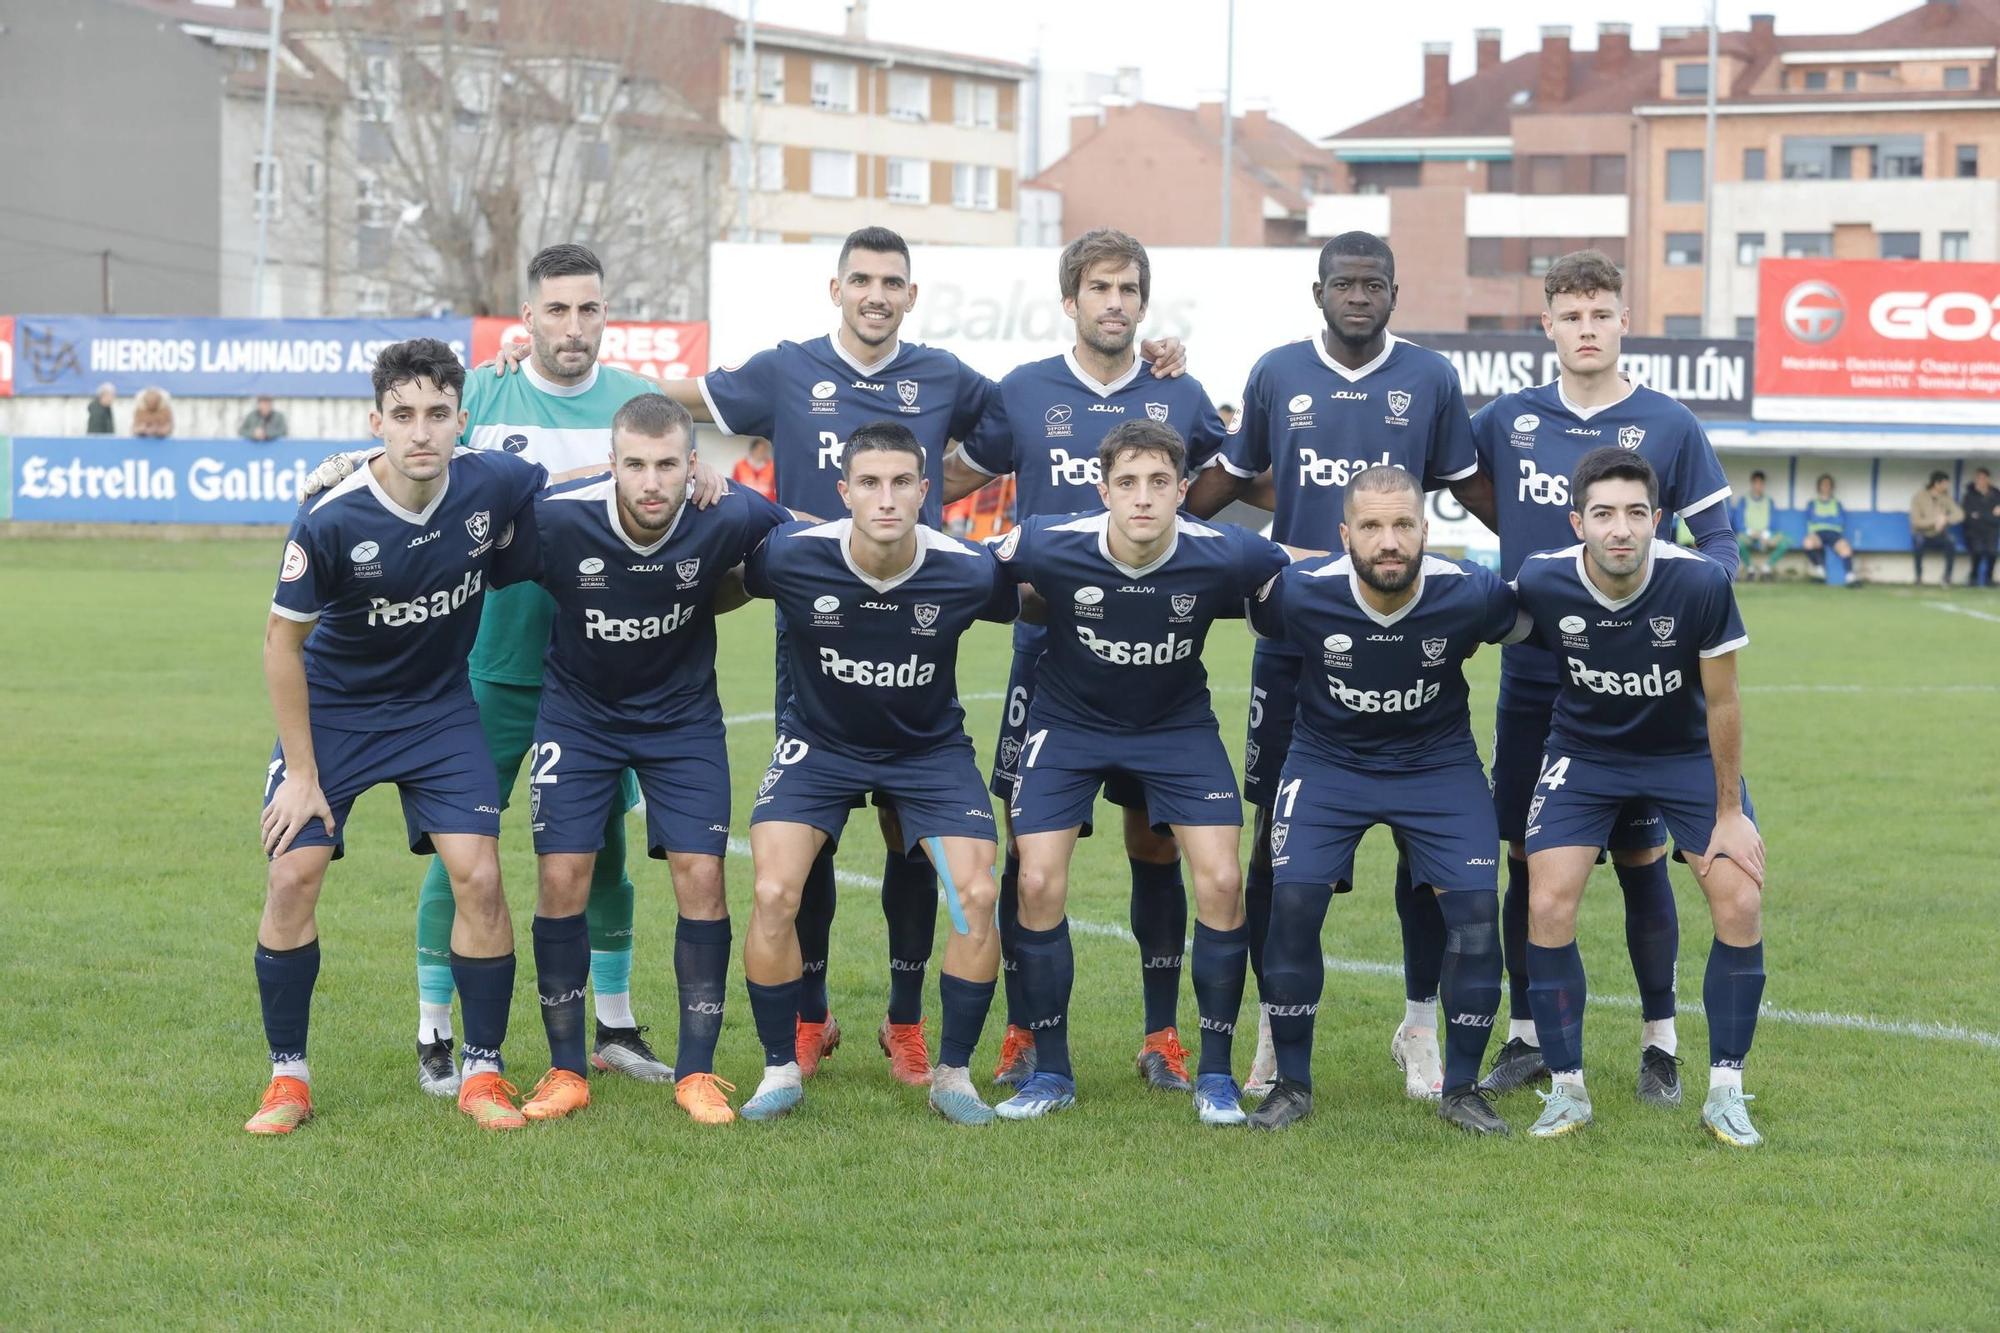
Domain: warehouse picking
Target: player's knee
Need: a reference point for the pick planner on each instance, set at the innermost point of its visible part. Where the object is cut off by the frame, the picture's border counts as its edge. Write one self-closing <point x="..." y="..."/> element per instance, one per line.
<point x="1471" y="921"/>
<point x="292" y="885"/>
<point x="698" y="888"/>
<point x="774" y="903"/>
<point x="978" y="893"/>
<point x="1042" y="889"/>
<point x="1218" y="886"/>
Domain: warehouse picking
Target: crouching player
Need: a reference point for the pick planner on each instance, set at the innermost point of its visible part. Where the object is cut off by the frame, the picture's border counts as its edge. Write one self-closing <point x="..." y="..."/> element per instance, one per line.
<point x="1646" y="634"/>
<point x="633" y="568"/>
<point x="1121" y="695"/>
<point x="1384" y="737"/>
<point x="364" y="655"/>
<point x="873" y="607"/>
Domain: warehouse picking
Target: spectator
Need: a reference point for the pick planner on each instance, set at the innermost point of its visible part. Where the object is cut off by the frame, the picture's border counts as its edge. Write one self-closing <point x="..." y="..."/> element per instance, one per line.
<point x="1932" y="514"/>
<point x="100" y="421"/>
<point x="1228" y="414"/>
<point x="263" y="423"/>
<point x="1756" y="533"/>
<point x="1982" y="527"/>
<point x="755" y="470"/>
<point x="1826" y="527"/>
<point x="153" y="414"/>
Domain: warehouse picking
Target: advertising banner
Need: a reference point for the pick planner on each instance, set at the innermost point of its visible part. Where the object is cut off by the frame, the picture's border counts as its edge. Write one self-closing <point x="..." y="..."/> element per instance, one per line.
<point x="1711" y="376"/>
<point x="1878" y="340"/>
<point x="70" y="355"/>
<point x="656" y="350"/>
<point x="6" y="356"/>
<point x="108" y="479"/>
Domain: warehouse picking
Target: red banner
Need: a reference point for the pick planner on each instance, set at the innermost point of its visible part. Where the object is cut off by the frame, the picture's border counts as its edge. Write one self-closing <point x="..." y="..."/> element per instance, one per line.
<point x="6" y="356"/>
<point x="1874" y="329"/>
<point x="657" y="351"/>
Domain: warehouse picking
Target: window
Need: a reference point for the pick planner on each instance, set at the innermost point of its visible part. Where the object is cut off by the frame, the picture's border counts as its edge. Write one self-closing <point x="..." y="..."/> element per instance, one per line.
<point x="312" y="181"/>
<point x="1753" y="164"/>
<point x="1815" y="80"/>
<point x="1542" y="252"/>
<point x="1958" y="76"/>
<point x="1955" y="245"/>
<point x="833" y="86"/>
<point x="1897" y="160"/>
<point x="974" y="187"/>
<point x="975" y="106"/>
<point x="371" y="251"/>
<point x="1500" y="176"/>
<point x="1850" y="80"/>
<point x="597" y="160"/>
<point x="267" y="188"/>
<point x="1898" y="244"/>
<point x="1684" y="175"/>
<point x="1375" y="177"/>
<point x="1484" y="256"/>
<point x="1967" y="159"/>
<point x="1545" y="174"/>
<point x="770" y="166"/>
<point x="909" y="180"/>
<point x="371" y="201"/>
<point x="1749" y="248"/>
<point x="1607" y="173"/>
<point x="1691" y="79"/>
<point x="1682" y="326"/>
<point x="832" y="174"/>
<point x="1808" y="245"/>
<point x="770" y="75"/>
<point x="1746" y="326"/>
<point x="1683" y="249"/>
<point x="378" y="87"/>
<point x="909" y="96"/>
<point x="1484" y="324"/>
<point x="1818" y="157"/>
<point x="596" y="89"/>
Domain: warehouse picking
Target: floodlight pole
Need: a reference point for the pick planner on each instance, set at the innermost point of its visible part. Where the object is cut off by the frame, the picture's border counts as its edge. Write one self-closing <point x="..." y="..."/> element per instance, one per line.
<point x="263" y="177"/>
<point x="1708" y="257"/>
<point x="749" y="127"/>
<point x="1228" y="122"/>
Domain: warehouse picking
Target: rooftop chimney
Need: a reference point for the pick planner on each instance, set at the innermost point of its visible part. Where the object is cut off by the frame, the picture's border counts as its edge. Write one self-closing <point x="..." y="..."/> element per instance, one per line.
<point x="1208" y="115"/>
<point x="1486" y="41"/>
<point x="1763" y="29"/>
<point x="1437" y="79"/>
<point x="1552" y="69"/>
<point x="857" y="20"/>
<point x="1614" y="45"/>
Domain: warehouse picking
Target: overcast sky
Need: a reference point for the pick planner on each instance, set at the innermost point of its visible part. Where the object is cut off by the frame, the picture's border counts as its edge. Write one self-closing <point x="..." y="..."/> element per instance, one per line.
<point x="1321" y="65"/>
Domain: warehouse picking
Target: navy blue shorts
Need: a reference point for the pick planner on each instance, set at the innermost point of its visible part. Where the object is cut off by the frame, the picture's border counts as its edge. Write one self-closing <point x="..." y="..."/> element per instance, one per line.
<point x="1578" y="799"/>
<point x="1274" y="708"/>
<point x="1181" y="773"/>
<point x="1520" y="736"/>
<point x="575" y="781"/>
<point x="1119" y="788"/>
<point x="937" y="793"/>
<point x="1442" y="819"/>
<point x="441" y="769"/>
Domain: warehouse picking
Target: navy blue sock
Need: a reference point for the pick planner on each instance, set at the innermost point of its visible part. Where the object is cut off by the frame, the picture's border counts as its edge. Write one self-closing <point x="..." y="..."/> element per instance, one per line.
<point x="1731" y="991"/>
<point x="485" y="998"/>
<point x="1652" y="934"/>
<point x="776" y="1011"/>
<point x="1469" y="987"/>
<point x="910" y="905"/>
<point x="1221" y="962"/>
<point x="285" y="979"/>
<point x="965" y="1004"/>
<point x="701" y="970"/>
<point x="1010" y="932"/>
<point x="1159" y="923"/>
<point x="1423" y="933"/>
<point x="1257" y="882"/>
<point x="1556" y="991"/>
<point x="1048" y="971"/>
<point x="1514" y="939"/>
<point x="1295" y="974"/>
<point x="814" y="924"/>
<point x="562" y="963"/>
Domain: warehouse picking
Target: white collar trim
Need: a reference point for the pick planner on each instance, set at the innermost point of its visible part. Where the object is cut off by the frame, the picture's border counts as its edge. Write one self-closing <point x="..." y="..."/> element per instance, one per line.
<point x="1653" y="557"/>
<point x="1389" y="342"/>
<point x="1586" y="413"/>
<point x="858" y="366"/>
<point x="367" y="469"/>
<point x="548" y="386"/>
<point x="1092" y="383"/>
<point x="618" y="525"/>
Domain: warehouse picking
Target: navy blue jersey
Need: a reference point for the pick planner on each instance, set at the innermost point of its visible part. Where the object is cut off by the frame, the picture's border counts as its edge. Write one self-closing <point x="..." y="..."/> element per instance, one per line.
<point x="1314" y="423"/>
<point x="396" y="595"/>
<point x="1631" y="669"/>
<point x="873" y="663"/>
<point x="1386" y="693"/>
<point x="634" y="638"/>
<point x="1530" y="443"/>
<point x="1124" y="644"/>
<point x="807" y="398"/>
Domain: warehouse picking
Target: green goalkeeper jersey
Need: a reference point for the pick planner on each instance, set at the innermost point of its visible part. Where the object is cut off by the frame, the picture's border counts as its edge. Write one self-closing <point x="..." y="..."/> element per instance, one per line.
<point x="561" y="427"/>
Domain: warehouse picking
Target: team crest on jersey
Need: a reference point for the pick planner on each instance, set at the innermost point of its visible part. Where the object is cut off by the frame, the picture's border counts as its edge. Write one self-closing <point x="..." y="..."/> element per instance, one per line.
<point x="480" y="524"/>
<point x="1399" y="402"/>
<point x="1010" y="752"/>
<point x="685" y="570"/>
<point x="1279" y="832"/>
<point x="1183" y="603"/>
<point x="1630" y="436"/>
<point x="927" y="614"/>
<point x="907" y="391"/>
<point x="1250" y="752"/>
<point x="1434" y="648"/>
<point x="1663" y="626"/>
<point x="1157" y="411"/>
<point x="535" y="802"/>
<point x="1535" y="808"/>
<point x="771" y="776"/>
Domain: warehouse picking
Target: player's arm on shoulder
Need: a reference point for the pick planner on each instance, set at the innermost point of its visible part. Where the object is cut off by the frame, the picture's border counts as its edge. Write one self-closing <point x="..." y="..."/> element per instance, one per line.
<point x="1507" y="621"/>
<point x="1475" y="493"/>
<point x="730" y="592"/>
<point x="1168" y="355"/>
<point x="1218" y="486"/>
<point x="962" y="476"/>
<point x="1034" y="607"/>
<point x="298" y="799"/>
<point x="1714" y="537"/>
<point x="1264" y="609"/>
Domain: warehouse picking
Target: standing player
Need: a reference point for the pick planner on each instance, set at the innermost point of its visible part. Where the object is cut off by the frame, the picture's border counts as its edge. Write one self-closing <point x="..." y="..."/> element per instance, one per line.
<point x="1315" y="413"/>
<point x="1044" y="425"/>
<point x="1384" y="737"/>
<point x="1648" y="711"/>
<point x="364" y="656"/>
<point x="1122" y="695"/>
<point x="875" y="605"/>
<point x="633" y="568"/>
<point x="1528" y="443"/>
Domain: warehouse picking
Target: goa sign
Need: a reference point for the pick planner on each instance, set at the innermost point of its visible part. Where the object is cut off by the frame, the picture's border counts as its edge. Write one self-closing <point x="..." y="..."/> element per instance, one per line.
<point x="1878" y="340"/>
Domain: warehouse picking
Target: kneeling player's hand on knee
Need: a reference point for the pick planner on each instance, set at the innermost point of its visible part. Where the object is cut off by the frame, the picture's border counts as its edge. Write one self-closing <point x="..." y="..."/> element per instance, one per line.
<point x="294" y="805"/>
<point x="1736" y="838"/>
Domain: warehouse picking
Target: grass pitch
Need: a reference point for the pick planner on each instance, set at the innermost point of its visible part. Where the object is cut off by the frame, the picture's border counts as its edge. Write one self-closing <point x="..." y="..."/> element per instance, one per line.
<point x="134" y="751"/>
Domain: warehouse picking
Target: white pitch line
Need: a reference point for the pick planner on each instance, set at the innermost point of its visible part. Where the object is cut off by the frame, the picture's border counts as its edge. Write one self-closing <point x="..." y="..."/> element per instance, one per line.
<point x="1812" y="1018"/>
<point x="1958" y="610"/>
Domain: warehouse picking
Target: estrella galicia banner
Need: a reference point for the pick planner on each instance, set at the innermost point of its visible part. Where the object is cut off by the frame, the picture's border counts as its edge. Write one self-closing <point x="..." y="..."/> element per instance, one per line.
<point x="70" y="355"/>
<point x="1712" y="376"/>
<point x="113" y="479"/>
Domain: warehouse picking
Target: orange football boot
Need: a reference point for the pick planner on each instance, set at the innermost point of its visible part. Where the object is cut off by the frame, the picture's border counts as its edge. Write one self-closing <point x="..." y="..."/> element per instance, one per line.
<point x="287" y="1104"/>
<point x="489" y="1100"/>
<point x="560" y="1093"/>
<point x="813" y="1042"/>
<point x="908" y="1052"/>
<point x="704" y="1097"/>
